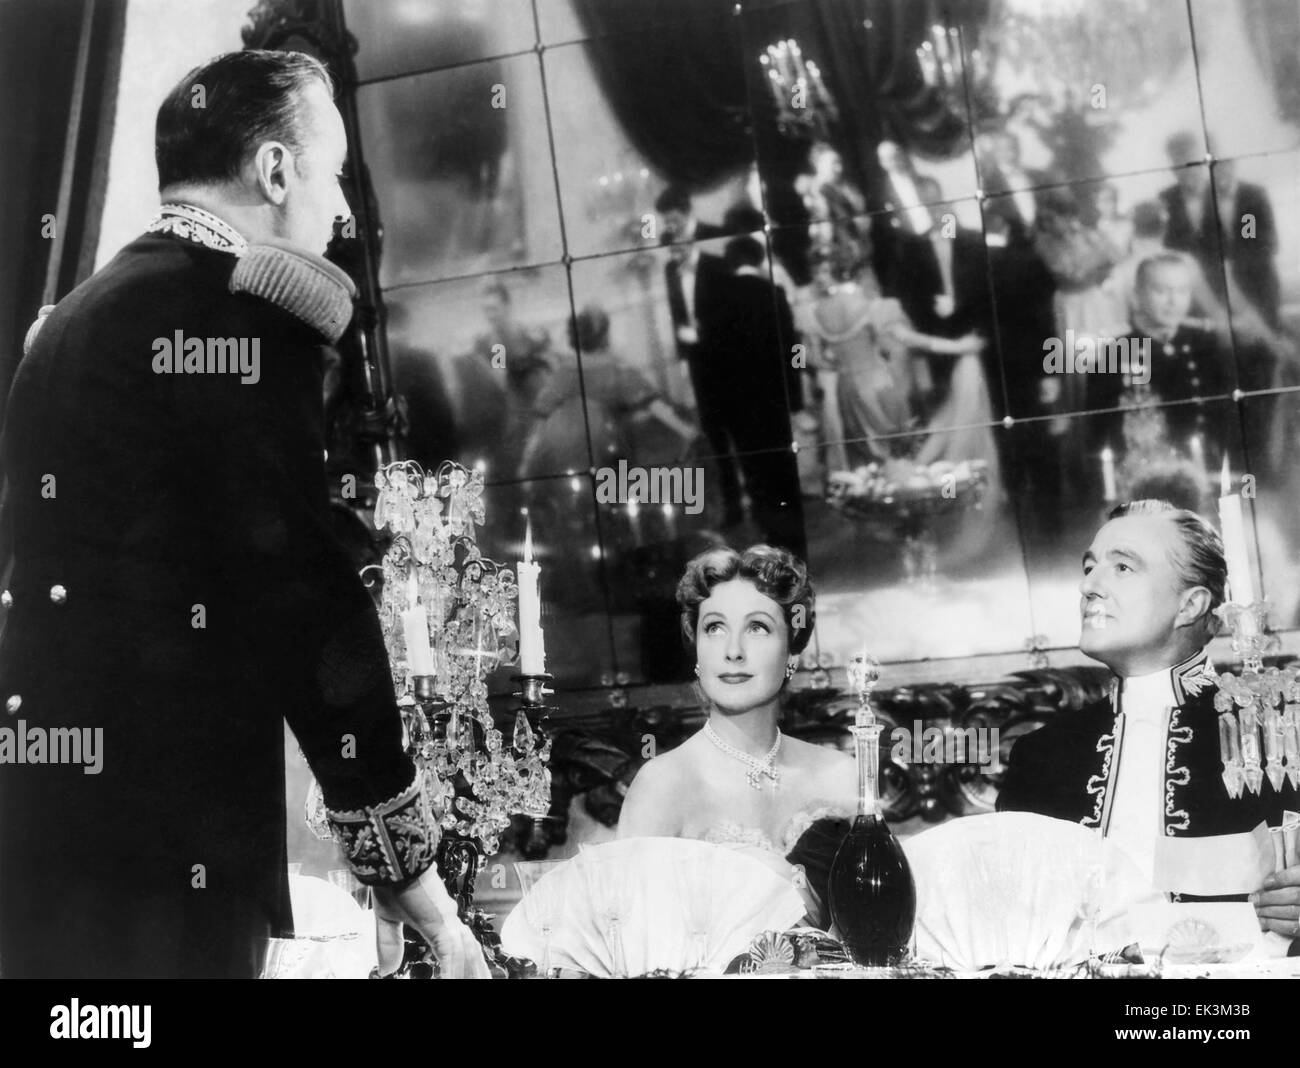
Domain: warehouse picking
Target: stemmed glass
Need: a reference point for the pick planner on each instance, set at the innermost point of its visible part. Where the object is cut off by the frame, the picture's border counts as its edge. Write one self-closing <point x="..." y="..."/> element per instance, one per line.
<point x="694" y="876"/>
<point x="543" y="901"/>
<point x="284" y="956"/>
<point x="355" y="888"/>
<point x="1089" y="908"/>
<point x="607" y="885"/>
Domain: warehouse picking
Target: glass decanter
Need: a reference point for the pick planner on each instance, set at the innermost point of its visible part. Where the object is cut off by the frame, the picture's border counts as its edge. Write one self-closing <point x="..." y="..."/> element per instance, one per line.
<point x="872" y="893"/>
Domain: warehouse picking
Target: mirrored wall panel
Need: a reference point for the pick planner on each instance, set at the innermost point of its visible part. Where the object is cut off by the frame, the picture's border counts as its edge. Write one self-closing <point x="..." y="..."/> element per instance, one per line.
<point x="917" y="290"/>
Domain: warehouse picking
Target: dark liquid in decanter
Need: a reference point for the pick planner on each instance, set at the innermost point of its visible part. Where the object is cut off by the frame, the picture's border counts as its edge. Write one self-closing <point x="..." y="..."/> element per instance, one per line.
<point x="872" y="894"/>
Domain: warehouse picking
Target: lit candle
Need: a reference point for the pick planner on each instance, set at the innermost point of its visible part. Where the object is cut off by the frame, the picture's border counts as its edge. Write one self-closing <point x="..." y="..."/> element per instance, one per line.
<point x="1197" y="447"/>
<point x="532" y="647"/>
<point x="670" y="521"/>
<point x="1108" y="491"/>
<point x="634" y="518"/>
<point x="786" y="60"/>
<point x="940" y="39"/>
<point x="1232" y="524"/>
<point x="801" y="70"/>
<point x="929" y="69"/>
<point x="815" y="73"/>
<point x="415" y="628"/>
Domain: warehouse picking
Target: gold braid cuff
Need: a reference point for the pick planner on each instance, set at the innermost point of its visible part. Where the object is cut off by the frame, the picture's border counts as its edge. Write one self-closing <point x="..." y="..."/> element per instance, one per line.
<point x="390" y="842"/>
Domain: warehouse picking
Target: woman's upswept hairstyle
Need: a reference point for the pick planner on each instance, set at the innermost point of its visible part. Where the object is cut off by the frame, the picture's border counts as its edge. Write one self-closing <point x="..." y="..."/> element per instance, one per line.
<point x="775" y="573"/>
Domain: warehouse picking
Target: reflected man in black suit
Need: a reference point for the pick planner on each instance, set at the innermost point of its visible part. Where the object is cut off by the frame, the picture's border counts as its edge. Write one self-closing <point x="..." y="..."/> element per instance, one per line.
<point x="1002" y="173"/>
<point x="758" y="388"/>
<point x="692" y="276"/>
<point x="941" y="278"/>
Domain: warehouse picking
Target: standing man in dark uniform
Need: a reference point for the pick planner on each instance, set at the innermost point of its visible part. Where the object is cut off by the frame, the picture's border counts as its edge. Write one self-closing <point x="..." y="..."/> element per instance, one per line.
<point x="176" y="585"/>
<point x="1143" y="767"/>
<point x="1186" y="362"/>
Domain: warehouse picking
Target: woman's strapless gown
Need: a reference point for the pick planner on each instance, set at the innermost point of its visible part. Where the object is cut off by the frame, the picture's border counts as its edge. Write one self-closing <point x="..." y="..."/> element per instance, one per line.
<point x="808" y="842"/>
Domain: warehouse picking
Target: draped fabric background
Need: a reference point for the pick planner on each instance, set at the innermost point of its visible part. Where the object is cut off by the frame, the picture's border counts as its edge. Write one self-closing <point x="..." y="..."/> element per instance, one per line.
<point x="681" y="98"/>
<point x="681" y="95"/>
<point x="40" y="44"/>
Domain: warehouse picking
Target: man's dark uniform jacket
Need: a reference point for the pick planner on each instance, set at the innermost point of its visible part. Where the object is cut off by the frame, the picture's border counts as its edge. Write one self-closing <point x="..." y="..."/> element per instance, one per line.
<point x="1068" y="768"/>
<point x="204" y="600"/>
<point x="1186" y="366"/>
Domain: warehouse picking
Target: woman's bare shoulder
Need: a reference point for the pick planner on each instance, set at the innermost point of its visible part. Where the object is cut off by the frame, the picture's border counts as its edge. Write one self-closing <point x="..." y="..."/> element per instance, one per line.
<point x="662" y="770"/>
<point x="653" y="801"/>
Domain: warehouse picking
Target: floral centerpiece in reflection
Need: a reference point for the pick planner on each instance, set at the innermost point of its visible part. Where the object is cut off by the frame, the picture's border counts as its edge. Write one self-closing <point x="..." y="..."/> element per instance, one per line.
<point x="900" y="485"/>
<point x="905" y="497"/>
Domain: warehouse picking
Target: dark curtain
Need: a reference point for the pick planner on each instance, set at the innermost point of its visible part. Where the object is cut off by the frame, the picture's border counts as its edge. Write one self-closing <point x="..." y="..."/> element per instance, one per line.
<point x="59" y="67"/>
<point x="675" y="75"/>
<point x="866" y="50"/>
<point x="677" y="87"/>
<point x="39" y="48"/>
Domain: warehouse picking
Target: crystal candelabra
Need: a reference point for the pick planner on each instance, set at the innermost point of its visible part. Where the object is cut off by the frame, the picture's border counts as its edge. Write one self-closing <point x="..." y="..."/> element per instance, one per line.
<point x="799" y="94"/>
<point x="1259" y="741"/>
<point x="448" y="620"/>
<point x="872" y="893"/>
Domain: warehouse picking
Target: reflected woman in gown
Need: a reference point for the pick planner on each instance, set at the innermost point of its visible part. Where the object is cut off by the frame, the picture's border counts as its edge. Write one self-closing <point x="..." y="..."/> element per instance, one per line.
<point x="739" y="781"/>
<point x="881" y="362"/>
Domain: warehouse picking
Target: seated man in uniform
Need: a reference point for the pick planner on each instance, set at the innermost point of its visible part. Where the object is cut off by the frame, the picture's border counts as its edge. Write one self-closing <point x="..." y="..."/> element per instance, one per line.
<point x="1183" y="358"/>
<point x="1143" y="766"/>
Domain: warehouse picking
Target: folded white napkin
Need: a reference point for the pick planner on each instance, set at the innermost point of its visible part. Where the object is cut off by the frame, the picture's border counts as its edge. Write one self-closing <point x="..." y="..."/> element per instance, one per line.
<point x="1015" y="888"/>
<point x="334" y="937"/>
<point x="656" y="893"/>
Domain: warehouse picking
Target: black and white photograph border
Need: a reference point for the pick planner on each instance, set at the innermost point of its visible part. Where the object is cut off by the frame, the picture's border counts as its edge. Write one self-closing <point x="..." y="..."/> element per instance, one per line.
<point x="536" y="489"/>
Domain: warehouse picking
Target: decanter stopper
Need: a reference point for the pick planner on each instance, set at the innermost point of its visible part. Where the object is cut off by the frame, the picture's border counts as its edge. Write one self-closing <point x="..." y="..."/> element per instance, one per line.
<point x="864" y="674"/>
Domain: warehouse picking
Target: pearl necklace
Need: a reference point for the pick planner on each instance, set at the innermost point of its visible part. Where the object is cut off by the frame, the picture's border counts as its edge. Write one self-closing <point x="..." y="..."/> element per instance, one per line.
<point x="758" y="767"/>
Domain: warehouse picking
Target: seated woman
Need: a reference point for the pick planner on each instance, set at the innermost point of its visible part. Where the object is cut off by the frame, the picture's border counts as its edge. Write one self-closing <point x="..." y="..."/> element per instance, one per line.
<point x="739" y="781"/>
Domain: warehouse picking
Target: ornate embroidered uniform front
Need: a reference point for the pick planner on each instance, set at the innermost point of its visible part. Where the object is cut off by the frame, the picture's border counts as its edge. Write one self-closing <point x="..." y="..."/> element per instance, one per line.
<point x="1176" y="775"/>
<point x="1097" y="784"/>
<point x="1188" y="679"/>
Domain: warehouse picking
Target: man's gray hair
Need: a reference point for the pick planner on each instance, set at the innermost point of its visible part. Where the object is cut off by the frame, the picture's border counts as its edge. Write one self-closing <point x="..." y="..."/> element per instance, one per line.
<point x="1200" y="561"/>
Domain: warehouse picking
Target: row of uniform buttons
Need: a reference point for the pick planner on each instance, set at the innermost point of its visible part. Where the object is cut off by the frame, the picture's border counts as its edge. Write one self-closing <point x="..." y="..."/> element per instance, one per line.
<point x="59" y="595"/>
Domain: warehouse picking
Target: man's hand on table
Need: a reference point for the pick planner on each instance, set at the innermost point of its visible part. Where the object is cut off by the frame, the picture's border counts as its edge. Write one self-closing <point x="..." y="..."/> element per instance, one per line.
<point x="426" y="906"/>
<point x="1277" y="902"/>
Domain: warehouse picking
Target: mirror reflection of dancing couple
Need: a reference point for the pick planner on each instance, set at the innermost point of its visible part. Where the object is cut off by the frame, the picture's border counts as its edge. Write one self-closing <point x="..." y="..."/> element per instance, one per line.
<point x="895" y="391"/>
<point x="882" y="388"/>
